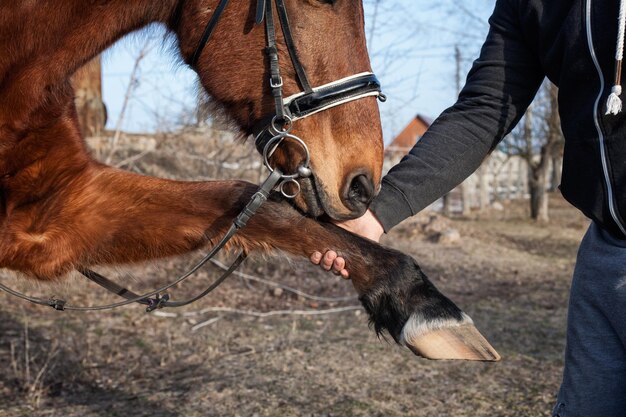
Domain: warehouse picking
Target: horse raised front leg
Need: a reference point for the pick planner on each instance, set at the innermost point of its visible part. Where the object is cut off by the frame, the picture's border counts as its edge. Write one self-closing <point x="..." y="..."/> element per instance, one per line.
<point x="99" y="215"/>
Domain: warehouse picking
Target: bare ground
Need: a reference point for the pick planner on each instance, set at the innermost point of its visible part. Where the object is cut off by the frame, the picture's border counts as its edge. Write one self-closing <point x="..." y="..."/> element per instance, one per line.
<point x="510" y="274"/>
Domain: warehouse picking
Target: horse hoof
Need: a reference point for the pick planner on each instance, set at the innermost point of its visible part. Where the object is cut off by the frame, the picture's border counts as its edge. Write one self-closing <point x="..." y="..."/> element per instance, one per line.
<point x="407" y="305"/>
<point x="458" y="341"/>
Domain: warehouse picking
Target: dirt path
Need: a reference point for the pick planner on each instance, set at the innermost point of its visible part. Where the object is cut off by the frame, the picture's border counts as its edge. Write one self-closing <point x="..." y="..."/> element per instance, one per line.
<point x="511" y="275"/>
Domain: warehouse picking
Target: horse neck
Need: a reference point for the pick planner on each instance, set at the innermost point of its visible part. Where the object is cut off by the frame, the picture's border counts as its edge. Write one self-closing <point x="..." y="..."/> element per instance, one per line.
<point x="44" y="45"/>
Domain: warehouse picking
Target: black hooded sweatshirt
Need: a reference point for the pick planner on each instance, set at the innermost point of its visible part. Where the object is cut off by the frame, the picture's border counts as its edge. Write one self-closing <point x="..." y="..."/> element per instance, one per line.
<point x="573" y="44"/>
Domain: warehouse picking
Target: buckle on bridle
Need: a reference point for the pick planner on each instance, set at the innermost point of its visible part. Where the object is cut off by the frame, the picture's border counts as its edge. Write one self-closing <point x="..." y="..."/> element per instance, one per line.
<point x="156" y="303"/>
<point x="278" y="84"/>
<point x="58" y="305"/>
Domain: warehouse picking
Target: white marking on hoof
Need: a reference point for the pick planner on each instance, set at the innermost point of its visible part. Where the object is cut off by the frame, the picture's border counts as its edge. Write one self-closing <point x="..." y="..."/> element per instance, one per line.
<point x="417" y="326"/>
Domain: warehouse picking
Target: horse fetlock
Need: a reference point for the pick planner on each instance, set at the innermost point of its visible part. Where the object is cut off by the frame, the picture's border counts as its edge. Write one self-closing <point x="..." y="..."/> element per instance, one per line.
<point x="411" y="309"/>
<point x="403" y="292"/>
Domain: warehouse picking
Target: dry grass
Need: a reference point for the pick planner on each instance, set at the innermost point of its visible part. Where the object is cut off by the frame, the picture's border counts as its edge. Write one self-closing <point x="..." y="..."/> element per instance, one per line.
<point x="510" y="274"/>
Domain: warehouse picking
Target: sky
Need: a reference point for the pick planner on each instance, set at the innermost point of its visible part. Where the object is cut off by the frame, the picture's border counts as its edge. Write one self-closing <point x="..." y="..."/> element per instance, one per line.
<point x="411" y="43"/>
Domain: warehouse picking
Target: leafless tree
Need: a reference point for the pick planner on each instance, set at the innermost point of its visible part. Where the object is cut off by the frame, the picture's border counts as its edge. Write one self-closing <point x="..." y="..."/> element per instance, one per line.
<point x="538" y="140"/>
<point x="132" y="85"/>
<point x="91" y="110"/>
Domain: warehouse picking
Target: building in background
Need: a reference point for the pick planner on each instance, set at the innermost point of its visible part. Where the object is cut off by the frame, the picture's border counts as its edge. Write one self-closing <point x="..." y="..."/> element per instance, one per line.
<point x="410" y="134"/>
<point x="405" y="140"/>
<point x="501" y="177"/>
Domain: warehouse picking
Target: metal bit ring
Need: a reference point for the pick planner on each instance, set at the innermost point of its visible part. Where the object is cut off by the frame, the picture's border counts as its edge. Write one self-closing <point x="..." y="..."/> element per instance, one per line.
<point x="287" y="194"/>
<point x="273" y="143"/>
<point x="287" y="125"/>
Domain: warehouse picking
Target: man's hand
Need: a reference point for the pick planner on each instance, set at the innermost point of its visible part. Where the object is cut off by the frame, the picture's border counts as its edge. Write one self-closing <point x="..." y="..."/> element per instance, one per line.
<point x="366" y="226"/>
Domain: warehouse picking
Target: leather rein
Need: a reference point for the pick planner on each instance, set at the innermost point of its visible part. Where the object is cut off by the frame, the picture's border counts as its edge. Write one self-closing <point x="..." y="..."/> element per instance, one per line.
<point x="267" y="139"/>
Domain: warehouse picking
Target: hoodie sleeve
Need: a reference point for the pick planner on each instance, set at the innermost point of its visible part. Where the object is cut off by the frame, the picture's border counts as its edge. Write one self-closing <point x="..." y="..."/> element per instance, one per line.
<point x="499" y="88"/>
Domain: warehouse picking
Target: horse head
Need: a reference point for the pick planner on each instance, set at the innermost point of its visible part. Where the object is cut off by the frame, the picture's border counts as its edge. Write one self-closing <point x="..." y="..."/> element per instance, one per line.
<point x="328" y="44"/>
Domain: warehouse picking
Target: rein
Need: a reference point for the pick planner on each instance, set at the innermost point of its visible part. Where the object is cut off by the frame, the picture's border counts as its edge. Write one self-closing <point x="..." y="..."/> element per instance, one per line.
<point x="268" y="139"/>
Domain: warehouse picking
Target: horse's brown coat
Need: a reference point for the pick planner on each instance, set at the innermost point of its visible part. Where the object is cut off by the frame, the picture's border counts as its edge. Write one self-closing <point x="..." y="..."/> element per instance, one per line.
<point x="60" y="209"/>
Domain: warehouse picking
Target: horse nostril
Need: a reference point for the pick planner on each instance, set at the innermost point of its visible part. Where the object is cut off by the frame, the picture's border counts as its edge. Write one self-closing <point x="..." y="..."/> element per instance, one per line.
<point x="361" y="190"/>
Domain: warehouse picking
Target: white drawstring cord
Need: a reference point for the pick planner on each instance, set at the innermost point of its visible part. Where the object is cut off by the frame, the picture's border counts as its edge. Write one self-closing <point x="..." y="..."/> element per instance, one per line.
<point x="614" y="102"/>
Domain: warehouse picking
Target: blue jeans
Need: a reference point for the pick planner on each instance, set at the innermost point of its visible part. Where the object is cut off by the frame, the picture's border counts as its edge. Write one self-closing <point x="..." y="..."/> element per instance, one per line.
<point x="594" y="378"/>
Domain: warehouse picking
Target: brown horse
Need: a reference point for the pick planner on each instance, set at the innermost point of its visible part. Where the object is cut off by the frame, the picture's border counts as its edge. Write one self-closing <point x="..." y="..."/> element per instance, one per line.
<point x="61" y="210"/>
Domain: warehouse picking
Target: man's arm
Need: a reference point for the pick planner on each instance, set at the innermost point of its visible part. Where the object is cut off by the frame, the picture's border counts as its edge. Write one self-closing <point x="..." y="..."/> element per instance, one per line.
<point x="499" y="88"/>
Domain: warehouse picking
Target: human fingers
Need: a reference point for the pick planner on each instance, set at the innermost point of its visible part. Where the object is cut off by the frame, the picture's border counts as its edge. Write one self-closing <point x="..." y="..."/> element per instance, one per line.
<point x="328" y="260"/>
<point x="316" y="258"/>
<point x="339" y="264"/>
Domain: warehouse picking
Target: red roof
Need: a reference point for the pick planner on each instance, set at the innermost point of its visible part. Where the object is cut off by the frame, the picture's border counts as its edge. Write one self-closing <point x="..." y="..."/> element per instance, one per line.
<point x="410" y="134"/>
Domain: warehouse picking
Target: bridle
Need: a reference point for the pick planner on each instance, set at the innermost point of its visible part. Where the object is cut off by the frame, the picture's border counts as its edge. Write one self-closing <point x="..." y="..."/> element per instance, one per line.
<point x="311" y="100"/>
<point x="275" y="131"/>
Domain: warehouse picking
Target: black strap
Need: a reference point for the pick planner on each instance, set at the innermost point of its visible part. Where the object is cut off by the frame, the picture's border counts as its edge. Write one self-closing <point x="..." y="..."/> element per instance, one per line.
<point x="51" y="302"/>
<point x="284" y="23"/>
<point x="276" y="81"/>
<point x="326" y="97"/>
<point x="161" y="301"/>
<point x="256" y="201"/>
<point x="208" y="31"/>
<point x="260" y="11"/>
<point x="142" y="299"/>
